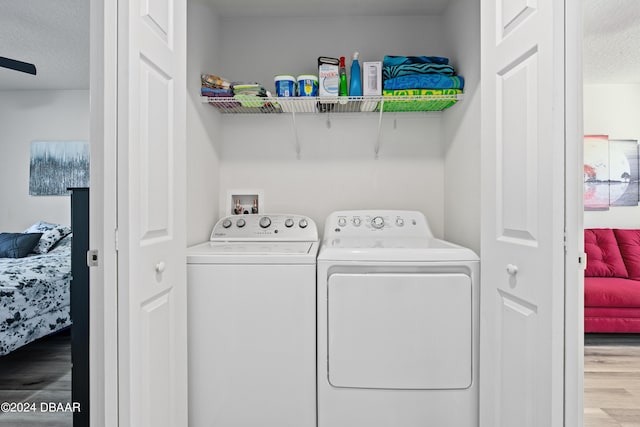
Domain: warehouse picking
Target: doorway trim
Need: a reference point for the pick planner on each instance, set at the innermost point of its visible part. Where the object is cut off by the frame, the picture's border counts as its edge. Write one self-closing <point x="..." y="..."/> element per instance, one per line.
<point x="103" y="279"/>
<point x="103" y="341"/>
<point x="574" y="228"/>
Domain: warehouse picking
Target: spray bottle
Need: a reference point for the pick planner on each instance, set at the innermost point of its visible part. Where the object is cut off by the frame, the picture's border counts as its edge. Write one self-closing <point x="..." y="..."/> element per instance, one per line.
<point x="343" y="78"/>
<point x="356" y="84"/>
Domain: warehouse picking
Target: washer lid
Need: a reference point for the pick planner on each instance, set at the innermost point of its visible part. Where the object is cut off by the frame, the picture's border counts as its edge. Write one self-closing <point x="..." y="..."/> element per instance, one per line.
<point x="253" y="253"/>
<point x="259" y="248"/>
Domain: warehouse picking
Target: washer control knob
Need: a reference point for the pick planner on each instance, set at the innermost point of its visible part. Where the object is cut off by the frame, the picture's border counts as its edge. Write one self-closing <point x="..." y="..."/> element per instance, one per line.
<point x="342" y="222"/>
<point x="377" y="222"/>
<point x="226" y="223"/>
<point x="399" y="222"/>
<point x="357" y="221"/>
<point x="303" y="223"/>
<point x="241" y="223"/>
<point x="288" y="223"/>
<point x="265" y="222"/>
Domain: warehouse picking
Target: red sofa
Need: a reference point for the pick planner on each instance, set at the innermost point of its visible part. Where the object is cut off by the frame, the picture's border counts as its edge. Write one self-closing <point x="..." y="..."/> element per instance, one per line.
<point x="612" y="280"/>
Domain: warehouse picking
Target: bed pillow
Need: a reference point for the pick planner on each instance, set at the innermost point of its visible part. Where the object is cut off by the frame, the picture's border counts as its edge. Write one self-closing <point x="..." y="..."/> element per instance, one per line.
<point x="17" y="245"/>
<point x="51" y="234"/>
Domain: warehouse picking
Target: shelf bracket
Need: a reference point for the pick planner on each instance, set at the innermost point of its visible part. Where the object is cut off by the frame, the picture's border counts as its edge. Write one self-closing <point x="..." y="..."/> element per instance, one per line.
<point x="295" y="135"/>
<point x="376" y="149"/>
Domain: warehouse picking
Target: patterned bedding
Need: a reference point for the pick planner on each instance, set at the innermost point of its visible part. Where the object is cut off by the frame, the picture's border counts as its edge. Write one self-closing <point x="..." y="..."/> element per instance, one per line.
<point x="34" y="296"/>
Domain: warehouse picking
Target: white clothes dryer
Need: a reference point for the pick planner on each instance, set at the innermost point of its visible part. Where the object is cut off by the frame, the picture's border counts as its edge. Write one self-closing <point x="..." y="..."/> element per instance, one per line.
<point x="251" y="318"/>
<point x="397" y="324"/>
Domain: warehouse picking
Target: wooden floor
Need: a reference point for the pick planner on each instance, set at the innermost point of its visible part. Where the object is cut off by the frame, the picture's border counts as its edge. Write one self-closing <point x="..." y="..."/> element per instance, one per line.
<point x="41" y="372"/>
<point x="38" y="372"/>
<point x="612" y="381"/>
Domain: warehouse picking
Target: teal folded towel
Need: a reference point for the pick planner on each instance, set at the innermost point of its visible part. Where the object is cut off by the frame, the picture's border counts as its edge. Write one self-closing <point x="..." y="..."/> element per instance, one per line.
<point x="392" y="71"/>
<point x="403" y="60"/>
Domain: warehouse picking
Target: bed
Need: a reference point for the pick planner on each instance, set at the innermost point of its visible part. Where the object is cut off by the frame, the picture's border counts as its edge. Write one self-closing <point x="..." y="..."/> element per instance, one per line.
<point x="35" y="289"/>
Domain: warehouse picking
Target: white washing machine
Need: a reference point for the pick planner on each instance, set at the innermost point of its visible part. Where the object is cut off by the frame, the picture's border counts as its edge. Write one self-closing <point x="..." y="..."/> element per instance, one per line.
<point x="397" y="324"/>
<point x="252" y="317"/>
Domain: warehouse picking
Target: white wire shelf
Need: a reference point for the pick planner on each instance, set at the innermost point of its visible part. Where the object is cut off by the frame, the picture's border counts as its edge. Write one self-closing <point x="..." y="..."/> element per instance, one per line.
<point x="330" y="105"/>
<point x="350" y="104"/>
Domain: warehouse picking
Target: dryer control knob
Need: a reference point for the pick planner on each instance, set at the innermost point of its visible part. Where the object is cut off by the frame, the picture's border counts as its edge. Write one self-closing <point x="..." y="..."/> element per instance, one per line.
<point x="342" y="222"/>
<point x="399" y="222"/>
<point x="241" y="223"/>
<point x="265" y="222"/>
<point x="303" y="223"/>
<point x="357" y="221"/>
<point x="377" y="222"/>
<point x="288" y="223"/>
<point x="226" y="223"/>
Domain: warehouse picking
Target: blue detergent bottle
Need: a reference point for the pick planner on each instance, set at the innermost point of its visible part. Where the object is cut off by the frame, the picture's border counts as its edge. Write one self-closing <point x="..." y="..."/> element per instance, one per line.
<point x="356" y="82"/>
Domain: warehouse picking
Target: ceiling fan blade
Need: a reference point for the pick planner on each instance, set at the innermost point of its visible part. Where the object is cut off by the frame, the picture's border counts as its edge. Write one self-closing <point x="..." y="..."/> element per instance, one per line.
<point x="12" y="64"/>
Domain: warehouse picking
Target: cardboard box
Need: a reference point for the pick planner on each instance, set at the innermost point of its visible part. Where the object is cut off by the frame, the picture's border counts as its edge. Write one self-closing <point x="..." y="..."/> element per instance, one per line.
<point x="328" y="77"/>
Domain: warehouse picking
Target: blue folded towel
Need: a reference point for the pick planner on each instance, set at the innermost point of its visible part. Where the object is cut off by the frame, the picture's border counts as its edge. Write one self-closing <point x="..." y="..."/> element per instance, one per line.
<point x="402" y="60"/>
<point x="206" y="91"/>
<point x="424" y="81"/>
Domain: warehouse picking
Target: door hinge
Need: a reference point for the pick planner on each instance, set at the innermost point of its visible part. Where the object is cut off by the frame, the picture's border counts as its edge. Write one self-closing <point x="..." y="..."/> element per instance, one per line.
<point x="92" y="258"/>
<point x="115" y="238"/>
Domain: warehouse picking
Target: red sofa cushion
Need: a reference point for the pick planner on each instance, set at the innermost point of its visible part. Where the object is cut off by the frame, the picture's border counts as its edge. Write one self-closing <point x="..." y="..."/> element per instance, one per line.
<point x="629" y="245"/>
<point x="611" y="292"/>
<point x="612" y="312"/>
<point x="603" y="255"/>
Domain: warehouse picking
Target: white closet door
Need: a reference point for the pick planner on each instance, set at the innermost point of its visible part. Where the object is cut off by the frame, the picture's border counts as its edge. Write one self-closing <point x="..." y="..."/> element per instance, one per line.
<point x="151" y="213"/>
<point x="522" y="297"/>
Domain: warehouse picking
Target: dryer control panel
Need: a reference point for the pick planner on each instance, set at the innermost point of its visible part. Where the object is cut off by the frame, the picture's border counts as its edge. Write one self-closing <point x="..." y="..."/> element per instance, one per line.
<point x="390" y="223"/>
<point x="272" y="227"/>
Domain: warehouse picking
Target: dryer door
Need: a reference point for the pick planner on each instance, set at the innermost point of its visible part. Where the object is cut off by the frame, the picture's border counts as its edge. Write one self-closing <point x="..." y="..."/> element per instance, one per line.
<point x="400" y="331"/>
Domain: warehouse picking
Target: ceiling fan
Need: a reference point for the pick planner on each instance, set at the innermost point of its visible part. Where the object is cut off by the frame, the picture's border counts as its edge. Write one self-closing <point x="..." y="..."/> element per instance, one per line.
<point x="12" y="64"/>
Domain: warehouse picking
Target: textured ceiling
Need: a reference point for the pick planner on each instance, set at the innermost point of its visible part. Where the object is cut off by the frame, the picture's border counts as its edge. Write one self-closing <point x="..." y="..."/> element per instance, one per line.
<point x="54" y="34"/>
<point x="611" y="41"/>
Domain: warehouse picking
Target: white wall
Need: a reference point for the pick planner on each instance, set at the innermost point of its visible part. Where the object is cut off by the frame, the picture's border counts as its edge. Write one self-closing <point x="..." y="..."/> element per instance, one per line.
<point x="27" y="116"/>
<point x="336" y="169"/>
<point x="202" y="124"/>
<point x="462" y="129"/>
<point x="612" y="110"/>
<point x="257" y="49"/>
